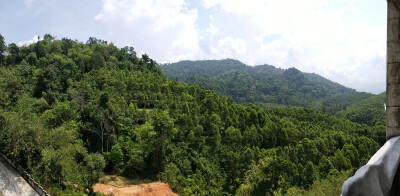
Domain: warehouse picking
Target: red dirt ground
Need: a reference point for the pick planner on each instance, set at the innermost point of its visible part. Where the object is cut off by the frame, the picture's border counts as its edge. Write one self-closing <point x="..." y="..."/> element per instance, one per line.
<point x="149" y="189"/>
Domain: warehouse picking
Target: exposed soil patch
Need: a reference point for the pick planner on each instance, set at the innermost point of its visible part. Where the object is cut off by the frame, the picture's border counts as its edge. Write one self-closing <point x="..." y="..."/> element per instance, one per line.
<point x="154" y="188"/>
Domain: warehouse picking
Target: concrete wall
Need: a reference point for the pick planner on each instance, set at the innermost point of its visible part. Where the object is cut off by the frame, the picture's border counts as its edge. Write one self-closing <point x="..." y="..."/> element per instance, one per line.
<point x="380" y="175"/>
<point x="393" y="70"/>
<point x="26" y="176"/>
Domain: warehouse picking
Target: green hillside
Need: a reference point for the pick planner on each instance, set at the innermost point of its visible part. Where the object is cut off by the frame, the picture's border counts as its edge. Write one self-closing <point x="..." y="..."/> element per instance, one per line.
<point x="370" y="111"/>
<point x="339" y="102"/>
<point x="332" y="86"/>
<point x="262" y="84"/>
<point x="72" y="111"/>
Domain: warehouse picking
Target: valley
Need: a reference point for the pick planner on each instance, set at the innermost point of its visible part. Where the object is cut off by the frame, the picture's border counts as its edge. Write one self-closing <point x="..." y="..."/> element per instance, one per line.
<point x="71" y="112"/>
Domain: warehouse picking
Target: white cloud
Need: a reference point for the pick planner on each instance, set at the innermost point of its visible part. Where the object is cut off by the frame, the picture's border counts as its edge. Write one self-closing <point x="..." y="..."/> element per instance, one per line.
<point x="28" y="3"/>
<point x="163" y="13"/>
<point x="29" y="42"/>
<point x="322" y="36"/>
<point x="229" y="47"/>
<point x="212" y="30"/>
<point x="38" y="5"/>
<point x="168" y="27"/>
<point x="329" y="37"/>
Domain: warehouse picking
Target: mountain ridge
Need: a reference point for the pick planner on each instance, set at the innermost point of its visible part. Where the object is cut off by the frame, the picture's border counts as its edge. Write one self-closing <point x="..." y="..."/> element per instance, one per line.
<point x="261" y="84"/>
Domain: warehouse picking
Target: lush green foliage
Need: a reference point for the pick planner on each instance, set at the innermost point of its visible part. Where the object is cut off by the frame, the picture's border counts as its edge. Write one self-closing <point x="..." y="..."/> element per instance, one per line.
<point x="70" y="111"/>
<point x="332" y="185"/>
<point x="370" y="111"/>
<point x="339" y="102"/>
<point x="260" y="84"/>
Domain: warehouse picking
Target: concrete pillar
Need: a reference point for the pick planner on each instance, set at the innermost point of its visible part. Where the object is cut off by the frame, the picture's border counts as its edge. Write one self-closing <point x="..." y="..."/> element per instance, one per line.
<point x="393" y="70"/>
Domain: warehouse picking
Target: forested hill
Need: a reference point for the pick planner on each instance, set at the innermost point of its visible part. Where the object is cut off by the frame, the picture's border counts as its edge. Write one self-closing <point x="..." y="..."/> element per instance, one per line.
<point x="259" y="84"/>
<point x="339" y="102"/>
<point x="370" y="111"/>
<point x="71" y="111"/>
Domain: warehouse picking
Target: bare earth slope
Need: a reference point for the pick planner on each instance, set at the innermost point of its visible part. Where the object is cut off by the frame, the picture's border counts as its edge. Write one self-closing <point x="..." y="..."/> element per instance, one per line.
<point x="149" y="189"/>
<point x="11" y="183"/>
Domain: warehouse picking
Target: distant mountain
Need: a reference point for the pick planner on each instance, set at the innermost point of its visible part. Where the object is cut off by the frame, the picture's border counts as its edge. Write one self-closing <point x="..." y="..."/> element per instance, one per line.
<point x="339" y="102"/>
<point x="335" y="87"/>
<point x="370" y="111"/>
<point x="263" y="84"/>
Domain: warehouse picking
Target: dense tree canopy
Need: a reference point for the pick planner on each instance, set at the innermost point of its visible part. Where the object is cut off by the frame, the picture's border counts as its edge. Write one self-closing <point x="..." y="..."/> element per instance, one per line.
<point x="70" y="111"/>
<point x="370" y="111"/>
<point x="263" y="84"/>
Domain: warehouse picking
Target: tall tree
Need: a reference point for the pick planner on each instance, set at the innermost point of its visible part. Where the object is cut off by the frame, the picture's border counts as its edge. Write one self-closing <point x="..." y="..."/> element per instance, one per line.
<point x="2" y="49"/>
<point x="164" y="127"/>
<point x="14" y="54"/>
<point x="66" y="45"/>
<point x="39" y="49"/>
<point x="48" y="38"/>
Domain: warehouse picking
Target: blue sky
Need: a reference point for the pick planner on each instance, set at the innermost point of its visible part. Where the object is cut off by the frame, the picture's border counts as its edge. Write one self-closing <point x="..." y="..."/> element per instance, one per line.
<point x="342" y="40"/>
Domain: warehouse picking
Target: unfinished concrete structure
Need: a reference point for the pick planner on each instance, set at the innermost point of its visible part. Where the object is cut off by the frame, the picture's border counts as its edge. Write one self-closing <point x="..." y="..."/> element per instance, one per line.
<point x="393" y="70"/>
<point x="12" y="183"/>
